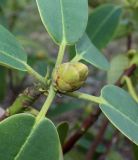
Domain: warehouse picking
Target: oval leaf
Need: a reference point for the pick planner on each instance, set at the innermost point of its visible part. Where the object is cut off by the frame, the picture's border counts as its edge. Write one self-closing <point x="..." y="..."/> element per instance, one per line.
<point x="63" y="19"/>
<point x="11" y="52"/>
<point x="121" y="110"/>
<point x="88" y="52"/>
<point x="117" y="66"/>
<point x="103" y="23"/>
<point x="21" y="139"/>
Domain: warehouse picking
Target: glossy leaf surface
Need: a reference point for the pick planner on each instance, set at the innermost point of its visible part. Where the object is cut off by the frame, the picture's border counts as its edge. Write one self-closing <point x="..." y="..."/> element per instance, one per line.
<point x="121" y="110"/>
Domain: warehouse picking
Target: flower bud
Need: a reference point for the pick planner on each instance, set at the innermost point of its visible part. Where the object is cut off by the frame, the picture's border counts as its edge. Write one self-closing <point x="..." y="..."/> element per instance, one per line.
<point x="70" y="76"/>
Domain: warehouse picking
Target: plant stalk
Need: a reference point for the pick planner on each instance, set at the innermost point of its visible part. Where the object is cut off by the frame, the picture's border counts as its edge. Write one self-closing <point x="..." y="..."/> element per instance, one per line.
<point x="36" y="75"/>
<point x="60" y="54"/>
<point x="46" y="105"/>
<point x="87" y="97"/>
<point x="77" y="58"/>
<point x="131" y="88"/>
<point x="52" y="92"/>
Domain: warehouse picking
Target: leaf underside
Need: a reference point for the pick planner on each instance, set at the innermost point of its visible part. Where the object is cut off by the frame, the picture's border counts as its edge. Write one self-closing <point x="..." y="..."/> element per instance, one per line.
<point x="102" y="24"/>
<point x="63" y="19"/>
<point x="22" y="139"/>
<point x="11" y="52"/>
<point x="88" y="52"/>
<point x="121" y="110"/>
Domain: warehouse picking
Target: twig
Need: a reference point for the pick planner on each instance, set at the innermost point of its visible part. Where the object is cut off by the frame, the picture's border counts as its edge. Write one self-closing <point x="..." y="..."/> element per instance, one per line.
<point x="110" y="144"/>
<point x="128" y="72"/>
<point x="129" y="42"/>
<point x="88" y="122"/>
<point x="24" y="100"/>
<point x="98" y="139"/>
<point x="131" y="88"/>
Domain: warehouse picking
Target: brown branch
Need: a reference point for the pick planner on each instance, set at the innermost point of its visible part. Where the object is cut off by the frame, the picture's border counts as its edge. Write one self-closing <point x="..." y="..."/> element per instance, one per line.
<point x="113" y="140"/>
<point x="129" y="42"/>
<point x="98" y="139"/>
<point x="81" y="131"/>
<point x="128" y="72"/>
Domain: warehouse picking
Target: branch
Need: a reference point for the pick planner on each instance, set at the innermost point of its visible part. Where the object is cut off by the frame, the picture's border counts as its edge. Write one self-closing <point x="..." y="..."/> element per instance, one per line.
<point x="129" y="42"/>
<point x="85" y="96"/>
<point x="131" y="88"/>
<point x="23" y="101"/>
<point x="90" y="120"/>
<point x="112" y="142"/>
<point x="97" y="140"/>
<point x="128" y="72"/>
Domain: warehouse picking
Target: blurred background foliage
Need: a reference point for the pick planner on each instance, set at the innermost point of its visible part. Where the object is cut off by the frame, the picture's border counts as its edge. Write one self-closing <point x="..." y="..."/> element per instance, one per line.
<point x="22" y="19"/>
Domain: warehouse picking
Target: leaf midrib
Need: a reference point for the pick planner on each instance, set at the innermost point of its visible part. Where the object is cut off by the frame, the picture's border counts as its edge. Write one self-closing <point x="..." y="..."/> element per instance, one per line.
<point x="119" y="127"/>
<point x="63" y="22"/>
<point x="9" y="46"/>
<point x="27" y="139"/>
<point x="13" y="58"/>
<point x="117" y="110"/>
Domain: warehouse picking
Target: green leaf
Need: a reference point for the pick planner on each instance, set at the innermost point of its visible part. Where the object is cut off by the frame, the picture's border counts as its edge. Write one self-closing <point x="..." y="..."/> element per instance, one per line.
<point x="88" y="52"/>
<point x="121" y="109"/>
<point x="103" y="23"/>
<point x="117" y="66"/>
<point x="63" y="129"/>
<point x="65" y="20"/>
<point x="11" y="52"/>
<point x="22" y="139"/>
